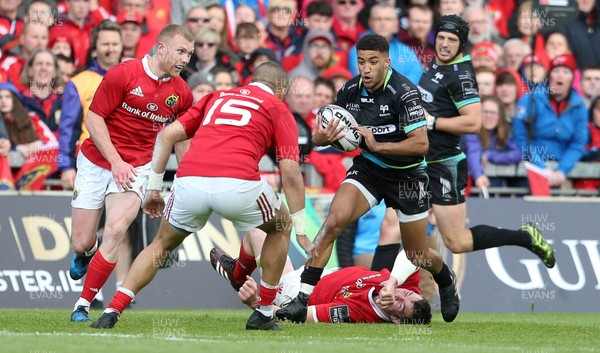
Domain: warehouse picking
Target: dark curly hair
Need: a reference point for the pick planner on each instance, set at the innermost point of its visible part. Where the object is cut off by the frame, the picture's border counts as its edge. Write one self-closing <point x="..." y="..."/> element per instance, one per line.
<point x="373" y="42"/>
<point x="421" y="314"/>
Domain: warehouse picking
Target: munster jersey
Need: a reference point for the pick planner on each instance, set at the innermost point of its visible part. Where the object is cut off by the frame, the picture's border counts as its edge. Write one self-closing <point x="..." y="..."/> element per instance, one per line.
<point x="231" y="131"/>
<point x="347" y="295"/>
<point x="391" y="112"/>
<point x="135" y="105"/>
<point x="444" y="90"/>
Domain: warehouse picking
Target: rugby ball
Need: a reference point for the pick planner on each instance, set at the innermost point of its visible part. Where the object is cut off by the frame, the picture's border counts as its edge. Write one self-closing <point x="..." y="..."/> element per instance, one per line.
<point x="351" y="139"/>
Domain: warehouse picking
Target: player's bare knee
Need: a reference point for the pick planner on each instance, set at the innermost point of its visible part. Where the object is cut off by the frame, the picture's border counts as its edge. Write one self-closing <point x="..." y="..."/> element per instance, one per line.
<point x="419" y="258"/>
<point x="456" y="245"/>
<point x="335" y="224"/>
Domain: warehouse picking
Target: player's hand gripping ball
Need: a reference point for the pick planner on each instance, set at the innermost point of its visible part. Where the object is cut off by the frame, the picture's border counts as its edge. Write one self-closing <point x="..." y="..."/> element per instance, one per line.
<point x="351" y="139"/>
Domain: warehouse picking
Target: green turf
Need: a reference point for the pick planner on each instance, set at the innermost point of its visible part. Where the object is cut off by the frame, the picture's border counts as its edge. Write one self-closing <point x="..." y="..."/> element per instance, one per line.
<point x="222" y="331"/>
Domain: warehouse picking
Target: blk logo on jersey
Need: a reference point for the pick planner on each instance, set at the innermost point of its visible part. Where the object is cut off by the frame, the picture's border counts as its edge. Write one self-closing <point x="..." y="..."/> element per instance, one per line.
<point x="367" y="100"/>
<point x="171" y="100"/>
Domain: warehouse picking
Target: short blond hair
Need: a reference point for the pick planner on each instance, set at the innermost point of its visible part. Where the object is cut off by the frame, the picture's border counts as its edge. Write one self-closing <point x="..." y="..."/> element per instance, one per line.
<point x="208" y="35"/>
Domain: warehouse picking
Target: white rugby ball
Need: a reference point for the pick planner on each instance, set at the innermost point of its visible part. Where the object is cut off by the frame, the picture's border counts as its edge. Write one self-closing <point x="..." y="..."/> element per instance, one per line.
<point x="351" y="139"/>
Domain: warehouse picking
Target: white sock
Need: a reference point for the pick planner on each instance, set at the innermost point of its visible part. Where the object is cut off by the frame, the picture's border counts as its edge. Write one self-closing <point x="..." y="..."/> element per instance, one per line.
<point x="266" y="310"/>
<point x="118" y="284"/>
<point x="92" y="251"/>
<point x="99" y="296"/>
<point x="403" y="268"/>
<point x="110" y="310"/>
<point x="82" y="302"/>
<point x="306" y="288"/>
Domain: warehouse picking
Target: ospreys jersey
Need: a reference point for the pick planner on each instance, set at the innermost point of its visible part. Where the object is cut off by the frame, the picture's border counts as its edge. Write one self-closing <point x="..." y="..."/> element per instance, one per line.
<point x="444" y="90"/>
<point x="391" y="112"/>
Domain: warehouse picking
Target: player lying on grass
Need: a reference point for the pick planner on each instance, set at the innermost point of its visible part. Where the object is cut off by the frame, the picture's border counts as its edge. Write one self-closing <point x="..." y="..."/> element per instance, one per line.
<point x="350" y="294"/>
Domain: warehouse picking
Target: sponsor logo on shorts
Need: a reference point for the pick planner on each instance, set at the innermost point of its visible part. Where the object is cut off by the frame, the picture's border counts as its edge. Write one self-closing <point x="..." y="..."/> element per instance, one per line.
<point x="75" y="194"/>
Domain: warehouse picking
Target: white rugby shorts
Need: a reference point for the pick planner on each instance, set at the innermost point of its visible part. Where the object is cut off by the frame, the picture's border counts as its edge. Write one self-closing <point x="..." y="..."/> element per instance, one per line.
<point x="93" y="183"/>
<point x="246" y="203"/>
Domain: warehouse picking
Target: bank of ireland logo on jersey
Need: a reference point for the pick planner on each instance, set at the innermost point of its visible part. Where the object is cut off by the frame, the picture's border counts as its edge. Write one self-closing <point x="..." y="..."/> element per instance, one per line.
<point x="152" y="107"/>
<point x="171" y="100"/>
<point x="245" y="91"/>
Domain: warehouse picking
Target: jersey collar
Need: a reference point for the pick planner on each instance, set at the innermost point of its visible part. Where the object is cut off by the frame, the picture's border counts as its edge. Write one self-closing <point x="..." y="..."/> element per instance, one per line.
<point x="262" y="86"/>
<point x="149" y="72"/>
<point x="461" y="60"/>
<point x="364" y="91"/>
<point x="378" y="311"/>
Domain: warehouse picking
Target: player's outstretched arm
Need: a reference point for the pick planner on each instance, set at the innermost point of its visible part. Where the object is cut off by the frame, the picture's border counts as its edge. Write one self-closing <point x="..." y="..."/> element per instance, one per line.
<point x="293" y="187"/>
<point x="468" y="122"/>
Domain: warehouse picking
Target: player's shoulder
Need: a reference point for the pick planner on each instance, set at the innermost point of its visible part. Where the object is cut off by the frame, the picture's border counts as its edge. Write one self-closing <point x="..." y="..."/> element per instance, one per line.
<point x="351" y="85"/>
<point x="399" y="83"/>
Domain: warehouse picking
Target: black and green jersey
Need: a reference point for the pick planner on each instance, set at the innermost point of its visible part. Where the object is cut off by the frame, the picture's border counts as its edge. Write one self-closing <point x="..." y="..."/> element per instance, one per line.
<point x="444" y="90"/>
<point x="391" y="112"/>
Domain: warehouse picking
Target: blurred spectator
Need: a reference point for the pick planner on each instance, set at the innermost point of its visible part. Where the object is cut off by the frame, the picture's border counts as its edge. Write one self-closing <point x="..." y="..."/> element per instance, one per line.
<point x="201" y="84"/>
<point x="481" y="24"/>
<point x="300" y="96"/>
<point x="556" y="44"/>
<point x="486" y="80"/>
<point x="218" y="22"/>
<point x="34" y="36"/>
<point x="324" y="94"/>
<point x="224" y="79"/>
<point x="346" y="28"/>
<point x="551" y="125"/>
<point x="152" y="22"/>
<point x="206" y="53"/>
<point x="196" y="18"/>
<point x="245" y="13"/>
<point x="534" y="69"/>
<point x="283" y="38"/>
<point x="514" y="50"/>
<point x="338" y="75"/>
<point x="509" y="89"/>
<point x="18" y="123"/>
<point x="40" y="11"/>
<point x="75" y="25"/>
<point x="317" y="55"/>
<point x="11" y="26"/>
<point x="61" y="45"/>
<point x="319" y="15"/>
<point x="106" y="46"/>
<point x="451" y="7"/>
<point x="417" y="35"/>
<point x="485" y="54"/>
<point x="42" y="77"/>
<point x="131" y="32"/>
<point x="30" y="137"/>
<point x="66" y="67"/>
<point x="583" y="34"/>
<point x="258" y="57"/>
<point x="590" y="84"/>
<point x="592" y="153"/>
<point x="383" y="21"/>
<point x="246" y="40"/>
<point x="528" y="27"/>
<point x="494" y="144"/>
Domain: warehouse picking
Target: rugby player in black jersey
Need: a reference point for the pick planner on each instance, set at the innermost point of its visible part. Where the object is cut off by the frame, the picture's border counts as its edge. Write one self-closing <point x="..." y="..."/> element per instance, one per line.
<point x="391" y="167"/>
<point x="450" y="96"/>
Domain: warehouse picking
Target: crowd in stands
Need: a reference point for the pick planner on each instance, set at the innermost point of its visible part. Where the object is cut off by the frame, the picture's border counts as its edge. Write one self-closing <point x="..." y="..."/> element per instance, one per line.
<point x="539" y="80"/>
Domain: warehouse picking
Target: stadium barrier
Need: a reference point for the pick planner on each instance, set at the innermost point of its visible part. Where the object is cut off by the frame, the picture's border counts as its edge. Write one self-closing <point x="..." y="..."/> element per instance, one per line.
<point x="35" y="254"/>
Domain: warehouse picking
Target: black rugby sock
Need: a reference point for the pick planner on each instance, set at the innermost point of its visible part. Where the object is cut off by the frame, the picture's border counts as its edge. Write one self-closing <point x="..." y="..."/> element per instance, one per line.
<point x="485" y="237"/>
<point x="385" y="256"/>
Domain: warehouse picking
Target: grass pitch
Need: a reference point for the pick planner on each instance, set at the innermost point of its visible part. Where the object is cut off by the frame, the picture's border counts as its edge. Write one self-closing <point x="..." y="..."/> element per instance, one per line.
<point x="222" y="331"/>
